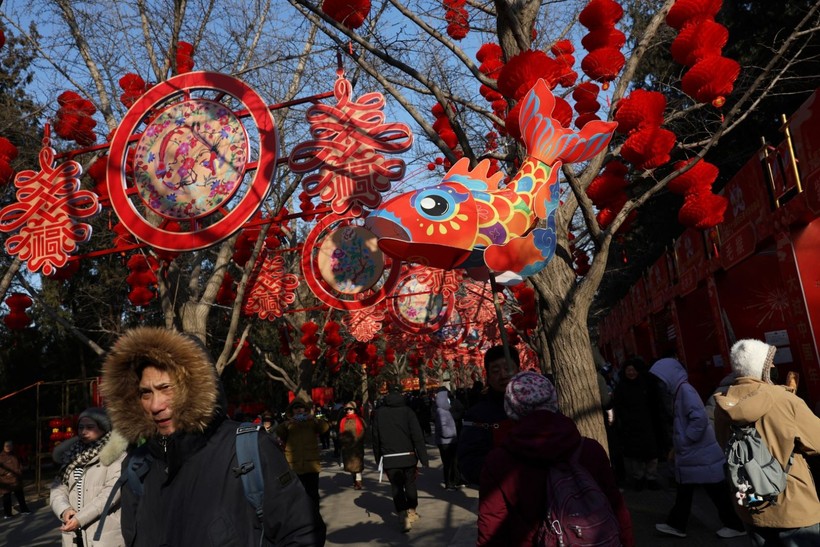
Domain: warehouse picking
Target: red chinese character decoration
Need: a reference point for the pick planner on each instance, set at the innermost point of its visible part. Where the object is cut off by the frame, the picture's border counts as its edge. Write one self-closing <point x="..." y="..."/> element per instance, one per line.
<point x="272" y="291"/>
<point x="364" y="324"/>
<point x="48" y="201"/>
<point x="348" y="139"/>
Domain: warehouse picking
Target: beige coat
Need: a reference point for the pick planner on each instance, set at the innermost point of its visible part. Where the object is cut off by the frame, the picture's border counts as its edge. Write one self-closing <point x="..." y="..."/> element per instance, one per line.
<point x="781" y="418"/>
<point x="100" y="476"/>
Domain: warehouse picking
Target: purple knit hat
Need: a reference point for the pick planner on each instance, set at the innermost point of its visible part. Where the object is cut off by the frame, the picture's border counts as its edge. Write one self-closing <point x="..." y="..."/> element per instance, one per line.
<point x="528" y="391"/>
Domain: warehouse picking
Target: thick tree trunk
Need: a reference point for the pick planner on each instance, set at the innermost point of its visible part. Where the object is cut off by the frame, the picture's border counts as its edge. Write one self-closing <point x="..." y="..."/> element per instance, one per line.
<point x="564" y="322"/>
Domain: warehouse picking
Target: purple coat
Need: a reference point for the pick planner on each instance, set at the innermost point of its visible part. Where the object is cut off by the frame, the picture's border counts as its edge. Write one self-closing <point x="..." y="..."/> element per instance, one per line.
<point x="698" y="457"/>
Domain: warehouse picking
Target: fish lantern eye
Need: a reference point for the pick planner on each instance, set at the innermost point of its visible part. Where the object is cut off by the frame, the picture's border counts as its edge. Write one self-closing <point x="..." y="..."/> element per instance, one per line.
<point x="434" y="205"/>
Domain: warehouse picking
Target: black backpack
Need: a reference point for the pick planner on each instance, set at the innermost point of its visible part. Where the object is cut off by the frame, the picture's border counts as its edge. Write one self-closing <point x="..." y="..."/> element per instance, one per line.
<point x="578" y="512"/>
<point x="249" y="470"/>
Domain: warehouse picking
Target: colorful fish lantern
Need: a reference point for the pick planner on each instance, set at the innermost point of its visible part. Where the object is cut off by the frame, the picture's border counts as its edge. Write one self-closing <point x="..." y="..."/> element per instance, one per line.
<point x="467" y="221"/>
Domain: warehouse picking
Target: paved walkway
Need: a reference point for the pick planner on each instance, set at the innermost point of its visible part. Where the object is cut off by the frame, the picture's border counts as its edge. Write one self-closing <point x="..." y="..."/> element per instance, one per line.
<point x="365" y="517"/>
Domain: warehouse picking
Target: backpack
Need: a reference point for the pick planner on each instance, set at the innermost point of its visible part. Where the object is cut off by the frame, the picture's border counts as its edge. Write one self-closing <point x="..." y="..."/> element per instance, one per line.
<point x="249" y="470"/>
<point x="578" y="512"/>
<point x="757" y="478"/>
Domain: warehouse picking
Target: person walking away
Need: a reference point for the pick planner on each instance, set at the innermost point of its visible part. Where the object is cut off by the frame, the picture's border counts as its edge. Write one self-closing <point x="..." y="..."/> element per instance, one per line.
<point x="90" y="465"/>
<point x="513" y="495"/>
<point x="790" y="430"/>
<point x="638" y="412"/>
<point x="351" y="439"/>
<point x="299" y="434"/>
<point x="698" y="460"/>
<point x="485" y="423"/>
<point x="11" y="480"/>
<point x="398" y="445"/>
<point x="161" y="386"/>
<point x="446" y="438"/>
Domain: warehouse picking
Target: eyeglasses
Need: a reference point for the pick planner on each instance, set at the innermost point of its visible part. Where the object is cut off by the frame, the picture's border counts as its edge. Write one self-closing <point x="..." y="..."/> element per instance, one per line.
<point x="350" y="410"/>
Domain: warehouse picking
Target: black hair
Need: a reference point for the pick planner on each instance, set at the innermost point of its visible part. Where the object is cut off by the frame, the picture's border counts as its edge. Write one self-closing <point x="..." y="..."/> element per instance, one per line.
<point x="497" y="352"/>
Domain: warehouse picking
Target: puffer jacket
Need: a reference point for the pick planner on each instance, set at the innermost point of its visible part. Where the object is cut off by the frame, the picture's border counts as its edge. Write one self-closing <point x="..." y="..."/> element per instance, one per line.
<point x="301" y="443"/>
<point x="396" y="430"/>
<point x="11" y="472"/>
<point x="698" y="458"/>
<point x="513" y="493"/>
<point x="787" y="425"/>
<point x="191" y="494"/>
<point x="445" y="423"/>
<point x="98" y="479"/>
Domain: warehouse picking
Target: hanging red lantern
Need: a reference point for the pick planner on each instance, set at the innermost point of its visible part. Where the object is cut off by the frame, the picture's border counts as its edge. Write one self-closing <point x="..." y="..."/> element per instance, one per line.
<point x="697" y="180"/>
<point x="603" y="64"/>
<point x="522" y="71"/>
<point x="458" y="20"/>
<point x="142" y="279"/>
<point x="603" y="37"/>
<point x="600" y="13"/>
<point x="702" y="211"/>
<point x="608" y="185"/>
<point x="648" y="148"/>
<point x="350" y="13"/>
<point x="8" y="153"/>
<point x="17" y="318"/>
<point x="226" y="295"/>
<point x="699" y="40"/>
<point x="690" y="11"/>
<point x="185" y="57"/>
<point x="711" y="80"/>
<point x="640" y="109"/>
<point x="606" y="215"/>
<point x="133" y="87"/>
<point x="74" y="119"/>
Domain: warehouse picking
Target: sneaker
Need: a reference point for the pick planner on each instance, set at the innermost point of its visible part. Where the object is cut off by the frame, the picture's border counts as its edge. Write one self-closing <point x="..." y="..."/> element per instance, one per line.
<point x="357" y="485"/>
<point x="727" y="533"/>
<point x="668" y="530"/>
<point x="412" y="515"/>
<point x="406" y="523"/>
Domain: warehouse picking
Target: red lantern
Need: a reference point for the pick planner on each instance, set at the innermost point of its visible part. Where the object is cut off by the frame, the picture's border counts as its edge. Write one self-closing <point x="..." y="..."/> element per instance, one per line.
<point x="699" y="40"/>
<point x="648" y="148"/>
<point x="142" y="279"/>
<point x="690" y="11"/>
<point x="133" y="87"/>
<point x="458" y="20"/>
<point x="74" y="121"/>
<point x="185" y="57"/>
<point x="603" y="64"/>
<point x="8" y="152"/>
<point x="697" y="180"/>
<point x="226" y="294"/>
<point x="600" y="13"/>
<point x="350" y="13"/>
<point x="639" y="110"/>
<point x="702" y="211"/>
<point x="244" y="361"/>
<point x="603" y="37"/>
<point x="610" y="184"/>
<point x="523" y="70"/>
<point x="711" y="80"/>
<point x="17" y="318"/>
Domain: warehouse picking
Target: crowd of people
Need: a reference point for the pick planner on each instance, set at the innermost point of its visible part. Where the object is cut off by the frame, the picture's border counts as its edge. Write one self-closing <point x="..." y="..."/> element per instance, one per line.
<point x="163" y="464"/>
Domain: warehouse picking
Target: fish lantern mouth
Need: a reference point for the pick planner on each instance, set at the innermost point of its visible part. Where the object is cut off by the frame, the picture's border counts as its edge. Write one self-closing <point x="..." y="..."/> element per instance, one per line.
<point x="395" y="242"/>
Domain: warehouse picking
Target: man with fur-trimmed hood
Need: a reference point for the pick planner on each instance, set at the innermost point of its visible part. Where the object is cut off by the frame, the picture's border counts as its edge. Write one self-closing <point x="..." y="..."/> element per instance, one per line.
<point x="161" y="387"/>
<point x="789" y="429"/>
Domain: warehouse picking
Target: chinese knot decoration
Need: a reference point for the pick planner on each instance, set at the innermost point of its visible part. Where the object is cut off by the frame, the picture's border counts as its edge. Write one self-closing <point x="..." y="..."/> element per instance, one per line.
<point x="348" y="139"/>
<point x="273" y="290"/>
<point x="48" y="202"/>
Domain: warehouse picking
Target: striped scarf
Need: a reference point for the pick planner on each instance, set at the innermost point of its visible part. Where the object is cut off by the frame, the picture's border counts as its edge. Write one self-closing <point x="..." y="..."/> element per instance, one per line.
<point x="79" y="455"/>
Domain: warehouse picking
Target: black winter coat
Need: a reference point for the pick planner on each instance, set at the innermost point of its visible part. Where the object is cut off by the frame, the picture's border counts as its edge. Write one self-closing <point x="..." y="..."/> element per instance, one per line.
<point x="192" y="497"/>
<point x="485" y="426"/>
<point x="639" y="417"/>
<point x="396" y="430"/>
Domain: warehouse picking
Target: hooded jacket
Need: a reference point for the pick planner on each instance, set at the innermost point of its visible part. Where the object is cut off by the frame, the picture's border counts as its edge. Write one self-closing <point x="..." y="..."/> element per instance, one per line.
<point x="396" y="430"/>
<point x="698" y="458"/>
<point x="445" y="423"/>
<point x="191" y="496"/>
<point x="513" y="495"/>
<point x="299" y="437"/>
<point x="786" y="424"/>
<point x="99" y="477"/>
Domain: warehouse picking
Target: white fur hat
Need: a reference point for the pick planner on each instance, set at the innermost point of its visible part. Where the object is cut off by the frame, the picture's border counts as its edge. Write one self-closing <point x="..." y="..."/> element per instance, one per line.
<point x="752" y="358"/>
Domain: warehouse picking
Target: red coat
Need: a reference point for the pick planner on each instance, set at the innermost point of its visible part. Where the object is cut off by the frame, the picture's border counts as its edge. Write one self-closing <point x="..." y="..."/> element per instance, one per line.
<point x="512" y="496"/>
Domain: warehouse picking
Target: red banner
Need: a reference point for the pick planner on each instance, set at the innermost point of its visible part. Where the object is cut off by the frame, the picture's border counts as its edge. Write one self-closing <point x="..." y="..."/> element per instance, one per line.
<point x="658" y="282"/>
<point x="691" y="256"/>
<point x="748" y="208"/>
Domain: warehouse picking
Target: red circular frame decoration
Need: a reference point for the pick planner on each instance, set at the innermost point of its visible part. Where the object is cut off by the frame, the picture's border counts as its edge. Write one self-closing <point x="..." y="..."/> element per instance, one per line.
<point x="246" y="207"/>
<point x="447" y="306"/>
<point x="319" y="286"/>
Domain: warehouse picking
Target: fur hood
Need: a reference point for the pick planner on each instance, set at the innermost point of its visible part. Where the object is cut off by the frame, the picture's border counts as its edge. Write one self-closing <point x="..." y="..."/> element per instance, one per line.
<point x="196" y="387"/>
<point x="112" y="450"/>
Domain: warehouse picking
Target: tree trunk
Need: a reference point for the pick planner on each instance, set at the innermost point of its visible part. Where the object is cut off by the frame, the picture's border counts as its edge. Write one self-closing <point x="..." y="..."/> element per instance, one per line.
<point x="564" y="321"/>
<point x="194" y="319"/>
<point x="5" y="283"/>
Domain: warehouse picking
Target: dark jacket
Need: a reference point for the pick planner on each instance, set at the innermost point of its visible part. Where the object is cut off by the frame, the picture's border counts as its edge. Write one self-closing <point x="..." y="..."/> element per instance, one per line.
<point x="396" y="430"/>
<point x="638" y="417"/>
<point x="513" y="495"/>
<point x="485" y="426"/>
<point x="191" y="495"/>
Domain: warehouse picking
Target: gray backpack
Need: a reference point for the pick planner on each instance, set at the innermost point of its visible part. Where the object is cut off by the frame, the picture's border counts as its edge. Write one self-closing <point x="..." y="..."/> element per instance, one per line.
<point x="756" y="477"/>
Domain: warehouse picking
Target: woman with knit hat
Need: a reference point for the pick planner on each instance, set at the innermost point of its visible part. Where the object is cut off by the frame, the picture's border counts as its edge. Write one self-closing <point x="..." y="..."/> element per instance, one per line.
<point x="351" y="436"/>
<point x="791" y="432"/>
<point x="513" y="495"/>
<point x="90" y="465"/>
